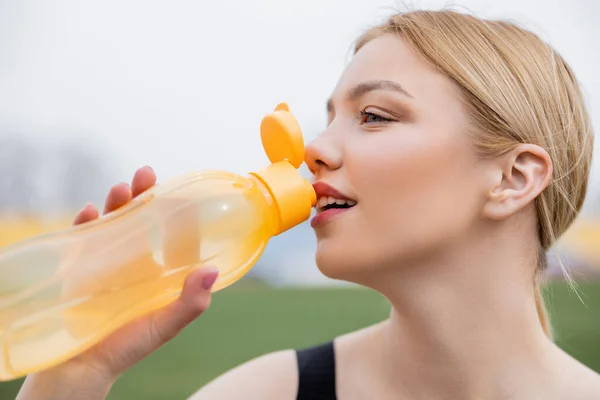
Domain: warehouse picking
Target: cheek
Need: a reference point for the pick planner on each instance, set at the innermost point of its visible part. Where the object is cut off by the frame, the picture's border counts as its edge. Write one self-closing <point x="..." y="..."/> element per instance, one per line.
<point x="413" y="192"/>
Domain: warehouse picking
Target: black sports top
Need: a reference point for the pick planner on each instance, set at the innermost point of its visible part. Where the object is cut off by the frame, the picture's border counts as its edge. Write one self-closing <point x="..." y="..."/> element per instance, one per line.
<point x="316" y="372"/>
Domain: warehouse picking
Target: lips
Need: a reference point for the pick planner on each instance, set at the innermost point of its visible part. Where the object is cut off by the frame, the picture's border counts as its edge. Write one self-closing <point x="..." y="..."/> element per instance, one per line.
<point x="324" y="190"/>
<point x="330" y="202"/>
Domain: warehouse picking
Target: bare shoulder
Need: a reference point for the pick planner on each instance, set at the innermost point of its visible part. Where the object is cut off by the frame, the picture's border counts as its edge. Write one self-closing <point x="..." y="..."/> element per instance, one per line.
<point x="579" y="381"/>
<point x="586" y="383"/>
<point x="271" y="376"/>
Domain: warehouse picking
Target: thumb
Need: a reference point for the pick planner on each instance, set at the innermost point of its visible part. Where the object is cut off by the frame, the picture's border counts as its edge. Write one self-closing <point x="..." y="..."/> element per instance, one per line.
<point x="194" y="299"/>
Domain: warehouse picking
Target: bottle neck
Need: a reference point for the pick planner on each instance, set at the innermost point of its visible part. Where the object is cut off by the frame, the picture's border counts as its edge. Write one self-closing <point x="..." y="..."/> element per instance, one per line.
<point x="273" y="223"/>
<point x="294" y="196"/>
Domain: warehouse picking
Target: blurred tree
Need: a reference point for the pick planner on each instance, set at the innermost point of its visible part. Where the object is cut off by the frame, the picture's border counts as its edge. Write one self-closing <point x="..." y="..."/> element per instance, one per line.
<point x="40" y="178"/>
<point x="17" y="173"/>
<point x="86" y="176"/>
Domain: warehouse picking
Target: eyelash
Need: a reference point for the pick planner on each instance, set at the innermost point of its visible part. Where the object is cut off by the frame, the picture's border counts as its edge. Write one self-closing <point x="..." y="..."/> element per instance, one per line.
<point x="366" y="114"/>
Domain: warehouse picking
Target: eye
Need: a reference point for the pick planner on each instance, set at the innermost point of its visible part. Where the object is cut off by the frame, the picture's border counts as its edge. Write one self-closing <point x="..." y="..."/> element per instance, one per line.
<point x="370" y="117"/>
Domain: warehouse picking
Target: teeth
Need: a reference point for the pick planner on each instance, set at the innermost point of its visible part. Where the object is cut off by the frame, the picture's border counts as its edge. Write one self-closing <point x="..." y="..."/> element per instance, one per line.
<point x="327" y="200"/>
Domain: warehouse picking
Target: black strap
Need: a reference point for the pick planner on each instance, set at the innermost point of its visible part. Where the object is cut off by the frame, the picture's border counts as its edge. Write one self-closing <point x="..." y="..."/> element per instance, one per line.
<point x="316" y="373"/>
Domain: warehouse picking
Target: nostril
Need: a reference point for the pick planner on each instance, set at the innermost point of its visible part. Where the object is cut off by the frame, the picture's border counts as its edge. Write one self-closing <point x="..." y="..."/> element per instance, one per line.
<point x="316" y="165"/>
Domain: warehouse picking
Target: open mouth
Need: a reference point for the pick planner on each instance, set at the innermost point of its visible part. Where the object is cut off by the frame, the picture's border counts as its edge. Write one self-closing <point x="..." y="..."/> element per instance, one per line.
<point x="327" y="203"/>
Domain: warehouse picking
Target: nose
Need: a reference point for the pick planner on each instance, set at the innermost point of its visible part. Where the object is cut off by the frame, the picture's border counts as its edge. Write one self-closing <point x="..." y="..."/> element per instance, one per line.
<point x="322" y="155"/>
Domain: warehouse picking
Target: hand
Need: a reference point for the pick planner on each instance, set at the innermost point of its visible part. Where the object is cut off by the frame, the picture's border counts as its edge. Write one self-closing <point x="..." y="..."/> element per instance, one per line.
<point x="100" y="366"/>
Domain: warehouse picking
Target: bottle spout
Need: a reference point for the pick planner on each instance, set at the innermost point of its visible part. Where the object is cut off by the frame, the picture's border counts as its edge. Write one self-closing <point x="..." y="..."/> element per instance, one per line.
<point x="313" y="195"/>
<point x="293" y="196"/>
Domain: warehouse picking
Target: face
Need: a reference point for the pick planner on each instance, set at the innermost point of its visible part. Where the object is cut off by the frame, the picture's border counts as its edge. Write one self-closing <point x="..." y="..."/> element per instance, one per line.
<point x="396" y="150"/>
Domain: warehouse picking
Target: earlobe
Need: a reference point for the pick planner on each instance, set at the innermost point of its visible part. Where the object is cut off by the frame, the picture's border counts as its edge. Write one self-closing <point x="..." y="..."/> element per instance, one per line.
<point x="523" y="174"/>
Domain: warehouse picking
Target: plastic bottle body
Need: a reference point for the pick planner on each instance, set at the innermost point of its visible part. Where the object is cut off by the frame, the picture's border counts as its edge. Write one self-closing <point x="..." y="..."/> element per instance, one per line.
<point x="62" y="293"/>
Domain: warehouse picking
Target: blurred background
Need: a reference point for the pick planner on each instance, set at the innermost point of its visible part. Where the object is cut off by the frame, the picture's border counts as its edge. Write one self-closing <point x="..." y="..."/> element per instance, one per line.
<point x="90" y="91"/>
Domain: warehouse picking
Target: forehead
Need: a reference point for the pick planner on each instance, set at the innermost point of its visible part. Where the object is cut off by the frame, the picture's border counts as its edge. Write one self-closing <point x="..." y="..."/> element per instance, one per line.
<point x="389" y="57"/>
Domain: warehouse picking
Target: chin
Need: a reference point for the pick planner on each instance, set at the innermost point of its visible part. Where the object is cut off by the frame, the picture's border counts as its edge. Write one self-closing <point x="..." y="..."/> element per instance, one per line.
<point x="365" y="262"/>
<point x="343" y="262"/>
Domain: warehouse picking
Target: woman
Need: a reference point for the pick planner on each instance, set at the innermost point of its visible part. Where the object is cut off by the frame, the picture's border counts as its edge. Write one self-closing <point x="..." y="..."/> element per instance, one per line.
<point x="465" y="148"/>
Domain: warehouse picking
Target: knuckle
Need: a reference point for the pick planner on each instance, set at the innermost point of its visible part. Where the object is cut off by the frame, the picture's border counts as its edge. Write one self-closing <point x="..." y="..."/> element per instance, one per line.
<point x="158" y="334"/>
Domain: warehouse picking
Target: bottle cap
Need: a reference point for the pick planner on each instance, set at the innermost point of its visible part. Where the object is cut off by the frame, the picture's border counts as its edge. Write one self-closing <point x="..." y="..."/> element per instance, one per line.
<point x="281" y="136"/>
<point x="282" y="140"/>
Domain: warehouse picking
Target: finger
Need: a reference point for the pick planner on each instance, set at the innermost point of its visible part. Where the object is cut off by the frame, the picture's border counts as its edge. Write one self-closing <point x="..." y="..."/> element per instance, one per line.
<point x="117" y="197"/>
<point x="194" y="300"/>
<point x="88" y="213"/>
<point x="143" y="180"/>
<point x="136" y="340"/>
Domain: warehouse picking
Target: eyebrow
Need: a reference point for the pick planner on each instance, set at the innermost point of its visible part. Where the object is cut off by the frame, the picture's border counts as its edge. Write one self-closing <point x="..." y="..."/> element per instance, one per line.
<point x="365" y="87"/>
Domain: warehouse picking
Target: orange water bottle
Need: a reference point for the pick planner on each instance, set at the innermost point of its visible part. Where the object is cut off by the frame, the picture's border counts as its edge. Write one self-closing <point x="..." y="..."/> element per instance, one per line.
<point x="62" y="292"/>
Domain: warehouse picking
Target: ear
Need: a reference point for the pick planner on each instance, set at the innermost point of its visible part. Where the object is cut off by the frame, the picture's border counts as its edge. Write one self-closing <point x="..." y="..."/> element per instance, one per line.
<point x="522" y="174"/>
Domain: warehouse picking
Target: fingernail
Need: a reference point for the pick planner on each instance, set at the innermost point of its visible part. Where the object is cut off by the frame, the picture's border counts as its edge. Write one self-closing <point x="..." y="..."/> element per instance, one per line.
<point x="209" y="279"/>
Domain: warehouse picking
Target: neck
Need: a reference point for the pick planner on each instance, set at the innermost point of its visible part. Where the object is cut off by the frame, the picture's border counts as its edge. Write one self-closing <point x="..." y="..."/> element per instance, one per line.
<point x="463" y="328"/>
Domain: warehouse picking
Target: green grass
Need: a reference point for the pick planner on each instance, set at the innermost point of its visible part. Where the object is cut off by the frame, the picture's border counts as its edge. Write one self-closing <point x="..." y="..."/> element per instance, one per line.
<point x="244" y="322"/>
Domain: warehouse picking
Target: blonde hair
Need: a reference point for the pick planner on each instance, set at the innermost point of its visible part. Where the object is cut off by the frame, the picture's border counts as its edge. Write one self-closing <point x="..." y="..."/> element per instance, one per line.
<point x="516" y="89"/>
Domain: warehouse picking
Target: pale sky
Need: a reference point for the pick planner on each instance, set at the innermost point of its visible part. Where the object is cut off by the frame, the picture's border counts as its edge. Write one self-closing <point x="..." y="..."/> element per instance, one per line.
<point x="183" y="85"/>
<point x="173" y="84"/>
